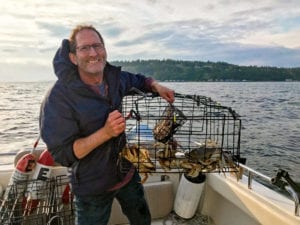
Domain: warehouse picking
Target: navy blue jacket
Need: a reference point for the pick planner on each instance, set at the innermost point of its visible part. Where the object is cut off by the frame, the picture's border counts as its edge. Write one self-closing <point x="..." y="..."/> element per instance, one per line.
<point x="72" y="110"/>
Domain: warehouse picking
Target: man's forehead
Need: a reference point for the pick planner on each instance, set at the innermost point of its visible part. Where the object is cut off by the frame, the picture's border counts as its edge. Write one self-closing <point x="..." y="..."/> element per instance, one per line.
<point x="86" y="36"/>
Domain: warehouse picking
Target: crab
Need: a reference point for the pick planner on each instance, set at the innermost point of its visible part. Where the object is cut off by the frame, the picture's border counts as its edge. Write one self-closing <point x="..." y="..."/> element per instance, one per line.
<point x="192" y="169"/>
<point x="163" y="129"/>
<point x="209" y="157"/>
<point x="140" y="158"/>
<point x="166" y="153"/>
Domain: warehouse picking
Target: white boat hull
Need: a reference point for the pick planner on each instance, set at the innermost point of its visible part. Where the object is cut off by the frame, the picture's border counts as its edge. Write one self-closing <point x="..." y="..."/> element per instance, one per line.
<point x="224" y="200"/>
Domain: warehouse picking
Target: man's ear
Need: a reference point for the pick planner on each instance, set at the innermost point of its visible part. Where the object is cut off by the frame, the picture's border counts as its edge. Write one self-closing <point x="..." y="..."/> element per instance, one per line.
<point x="72" y="57"/>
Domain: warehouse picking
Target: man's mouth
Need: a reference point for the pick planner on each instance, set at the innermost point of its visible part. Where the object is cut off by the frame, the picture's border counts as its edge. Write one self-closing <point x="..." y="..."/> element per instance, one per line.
<point x="94" y="61"/>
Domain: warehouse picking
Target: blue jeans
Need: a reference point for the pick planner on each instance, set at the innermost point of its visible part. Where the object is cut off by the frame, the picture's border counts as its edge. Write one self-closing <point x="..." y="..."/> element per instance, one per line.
<point x="95" y="210"/>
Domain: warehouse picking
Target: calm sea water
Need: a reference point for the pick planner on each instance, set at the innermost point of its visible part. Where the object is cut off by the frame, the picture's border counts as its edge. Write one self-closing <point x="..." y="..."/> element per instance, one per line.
<point x="270" y="116"/>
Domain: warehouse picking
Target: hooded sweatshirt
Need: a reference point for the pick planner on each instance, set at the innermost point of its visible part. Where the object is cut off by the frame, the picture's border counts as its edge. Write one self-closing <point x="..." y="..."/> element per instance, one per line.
<point x="72" y="110"/>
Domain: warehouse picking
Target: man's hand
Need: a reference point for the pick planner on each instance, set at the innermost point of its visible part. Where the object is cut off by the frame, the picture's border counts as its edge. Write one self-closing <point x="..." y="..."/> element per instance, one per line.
<point x="115" y="124"/>
<point x="164" y="92"/>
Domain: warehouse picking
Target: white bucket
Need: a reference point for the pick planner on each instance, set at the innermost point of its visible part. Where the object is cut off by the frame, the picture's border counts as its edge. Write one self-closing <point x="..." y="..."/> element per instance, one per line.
<point x="188" y="196"/>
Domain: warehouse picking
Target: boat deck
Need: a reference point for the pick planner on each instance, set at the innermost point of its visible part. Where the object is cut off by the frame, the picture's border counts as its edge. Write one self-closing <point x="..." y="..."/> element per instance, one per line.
<point x="173" y="219"/>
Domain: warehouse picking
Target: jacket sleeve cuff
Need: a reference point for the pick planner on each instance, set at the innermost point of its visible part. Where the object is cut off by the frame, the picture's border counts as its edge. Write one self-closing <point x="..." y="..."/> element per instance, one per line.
<point x="148" y="84"/>
<point x="64" y="155"/>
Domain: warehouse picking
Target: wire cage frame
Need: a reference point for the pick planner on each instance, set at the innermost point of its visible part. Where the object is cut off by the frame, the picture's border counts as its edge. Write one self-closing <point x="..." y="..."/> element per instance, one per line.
<point x="193" y="135"/>
<point x="36" y="202"/>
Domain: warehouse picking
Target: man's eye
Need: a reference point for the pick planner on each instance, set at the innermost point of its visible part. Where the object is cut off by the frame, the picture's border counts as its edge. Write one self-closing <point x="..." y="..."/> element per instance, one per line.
<point x="97" y="45"/>
<point x="84" y="48"/>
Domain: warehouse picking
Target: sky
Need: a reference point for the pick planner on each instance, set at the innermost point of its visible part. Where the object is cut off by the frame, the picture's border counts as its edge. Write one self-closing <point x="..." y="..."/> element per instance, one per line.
<point x="241" y="32"/>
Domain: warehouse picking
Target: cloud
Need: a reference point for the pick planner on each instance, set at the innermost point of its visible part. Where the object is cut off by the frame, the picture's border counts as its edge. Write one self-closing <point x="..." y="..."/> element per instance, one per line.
<point x="240" y="32"/>
<point x="53" y="29"/>
<point x="190" y="41"/>
<point x="259" y="55"/>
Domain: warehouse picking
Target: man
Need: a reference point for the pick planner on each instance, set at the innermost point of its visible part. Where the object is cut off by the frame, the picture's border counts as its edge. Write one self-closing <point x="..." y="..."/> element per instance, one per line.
<point x="83" y="128"/>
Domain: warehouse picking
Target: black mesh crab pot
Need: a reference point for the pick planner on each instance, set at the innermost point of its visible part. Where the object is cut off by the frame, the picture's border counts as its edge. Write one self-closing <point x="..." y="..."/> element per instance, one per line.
<point x="36" y="202"/>
<point x="193" y="135"/>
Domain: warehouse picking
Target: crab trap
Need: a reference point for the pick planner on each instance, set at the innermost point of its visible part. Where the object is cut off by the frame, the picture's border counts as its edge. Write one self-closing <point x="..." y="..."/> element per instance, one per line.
<point x="193" y="135"/>
<point x="36" y="202"/>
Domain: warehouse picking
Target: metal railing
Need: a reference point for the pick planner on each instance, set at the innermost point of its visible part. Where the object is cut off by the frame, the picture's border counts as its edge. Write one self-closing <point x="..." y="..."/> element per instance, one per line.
<point x="289" y="185"/>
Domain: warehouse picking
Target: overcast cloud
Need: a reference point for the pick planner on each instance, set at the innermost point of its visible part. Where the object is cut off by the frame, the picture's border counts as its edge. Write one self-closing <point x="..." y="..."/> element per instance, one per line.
<point x="253" y="32"/>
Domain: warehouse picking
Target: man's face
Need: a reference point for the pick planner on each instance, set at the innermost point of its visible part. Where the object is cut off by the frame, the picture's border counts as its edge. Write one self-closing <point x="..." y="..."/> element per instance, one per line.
<point x="90" y="56"/>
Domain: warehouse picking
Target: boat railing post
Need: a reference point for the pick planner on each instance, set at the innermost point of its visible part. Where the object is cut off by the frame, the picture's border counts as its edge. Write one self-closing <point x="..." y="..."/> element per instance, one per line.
<point x="251" y="173"/>
<point x="250" y="176"/>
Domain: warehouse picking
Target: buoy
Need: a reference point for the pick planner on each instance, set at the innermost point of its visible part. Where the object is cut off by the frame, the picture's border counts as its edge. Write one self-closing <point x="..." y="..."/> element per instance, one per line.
<point x="16" y="187"/>
<point x="188" y="196"/>
<point x="67" y="195"/>
<point x="36" y="188"/>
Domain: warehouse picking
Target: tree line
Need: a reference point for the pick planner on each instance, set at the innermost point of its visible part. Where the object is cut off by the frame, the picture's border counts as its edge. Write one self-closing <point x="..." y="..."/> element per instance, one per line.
<point x="177" y="70"/>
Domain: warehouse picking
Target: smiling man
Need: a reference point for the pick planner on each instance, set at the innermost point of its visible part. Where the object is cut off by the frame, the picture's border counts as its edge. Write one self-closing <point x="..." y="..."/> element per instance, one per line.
<point x="83" y="128"/>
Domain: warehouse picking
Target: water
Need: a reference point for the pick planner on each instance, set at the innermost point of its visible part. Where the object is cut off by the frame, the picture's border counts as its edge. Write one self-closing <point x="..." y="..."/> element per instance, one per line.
<point x="270" y="117"/>
<point x="19" y="116"/>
